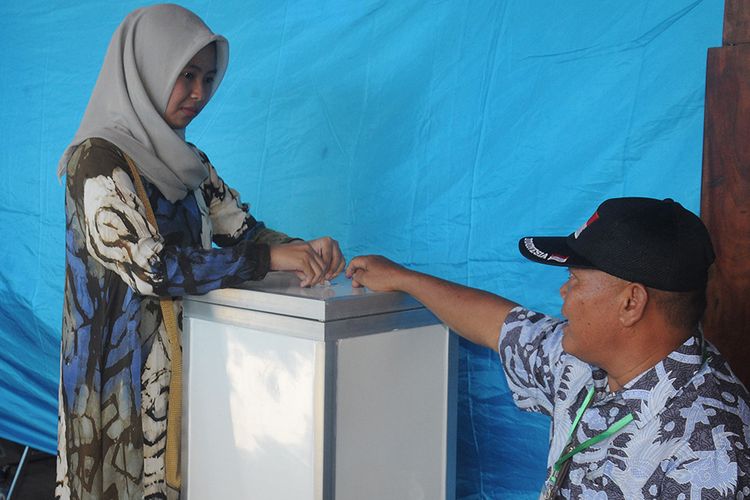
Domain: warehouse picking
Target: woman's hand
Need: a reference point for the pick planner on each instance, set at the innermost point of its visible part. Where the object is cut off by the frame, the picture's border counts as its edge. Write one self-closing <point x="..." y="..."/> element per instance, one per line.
<point x="330" y="253"/>
<point x="312" y="261"/>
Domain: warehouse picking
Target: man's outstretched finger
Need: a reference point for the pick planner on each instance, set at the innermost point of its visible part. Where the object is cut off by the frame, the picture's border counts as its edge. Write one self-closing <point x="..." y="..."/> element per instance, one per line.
<point x="355" y="264"/>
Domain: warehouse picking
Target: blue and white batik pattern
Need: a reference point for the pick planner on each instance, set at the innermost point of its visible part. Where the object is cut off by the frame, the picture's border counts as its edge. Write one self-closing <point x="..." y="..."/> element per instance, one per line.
<point x="691" y="430"/>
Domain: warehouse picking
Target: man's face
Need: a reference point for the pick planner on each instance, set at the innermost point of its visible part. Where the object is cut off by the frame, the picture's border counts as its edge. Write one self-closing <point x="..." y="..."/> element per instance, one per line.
<point x="590" y="304"/>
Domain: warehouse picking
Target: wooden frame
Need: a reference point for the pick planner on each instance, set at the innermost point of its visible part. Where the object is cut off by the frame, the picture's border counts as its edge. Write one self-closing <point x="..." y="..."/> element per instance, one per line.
<point x="725" y="196"/>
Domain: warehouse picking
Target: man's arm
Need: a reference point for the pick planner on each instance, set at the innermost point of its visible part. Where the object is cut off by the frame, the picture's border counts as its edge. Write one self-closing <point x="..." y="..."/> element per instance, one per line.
<point x="474" y="314"/>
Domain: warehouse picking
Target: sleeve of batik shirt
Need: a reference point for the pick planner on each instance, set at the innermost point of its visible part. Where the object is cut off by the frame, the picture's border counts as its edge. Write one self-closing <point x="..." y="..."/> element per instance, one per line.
<point x="231" y="220"/>
<point x="530" y="349"/>
<point x="119" y="237"/>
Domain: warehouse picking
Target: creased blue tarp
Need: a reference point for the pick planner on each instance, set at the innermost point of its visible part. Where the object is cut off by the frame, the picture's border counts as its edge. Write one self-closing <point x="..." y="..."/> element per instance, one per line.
<point x="436" y="132"/>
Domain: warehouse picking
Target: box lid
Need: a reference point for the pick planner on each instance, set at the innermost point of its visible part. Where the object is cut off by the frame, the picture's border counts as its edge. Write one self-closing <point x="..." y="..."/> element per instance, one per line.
<point x="280" y="293"/>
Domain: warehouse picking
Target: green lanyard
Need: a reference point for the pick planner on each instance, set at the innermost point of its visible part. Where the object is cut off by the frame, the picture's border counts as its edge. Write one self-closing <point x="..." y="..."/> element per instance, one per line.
<point x="551" y="487"/>
<point x="612" y="429"/>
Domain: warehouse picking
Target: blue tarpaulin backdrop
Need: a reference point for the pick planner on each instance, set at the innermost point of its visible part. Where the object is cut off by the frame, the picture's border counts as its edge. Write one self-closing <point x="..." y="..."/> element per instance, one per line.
<point x="435" y="132"/>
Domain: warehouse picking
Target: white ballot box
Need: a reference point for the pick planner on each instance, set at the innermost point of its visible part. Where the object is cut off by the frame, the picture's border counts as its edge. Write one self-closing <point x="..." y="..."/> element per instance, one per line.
<point x="316" y="393"/>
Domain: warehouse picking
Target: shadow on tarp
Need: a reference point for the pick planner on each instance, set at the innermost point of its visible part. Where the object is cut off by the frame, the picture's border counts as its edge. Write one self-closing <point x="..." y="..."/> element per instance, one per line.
<point x="28" y="391"/>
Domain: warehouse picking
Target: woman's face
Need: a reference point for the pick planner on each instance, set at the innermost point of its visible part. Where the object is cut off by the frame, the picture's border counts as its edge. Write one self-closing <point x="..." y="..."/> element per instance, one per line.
<point x="192" y="89"/>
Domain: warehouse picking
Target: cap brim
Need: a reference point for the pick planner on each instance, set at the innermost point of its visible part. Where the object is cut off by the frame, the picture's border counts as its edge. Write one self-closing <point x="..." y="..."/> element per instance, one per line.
<point x="551" y="250"/>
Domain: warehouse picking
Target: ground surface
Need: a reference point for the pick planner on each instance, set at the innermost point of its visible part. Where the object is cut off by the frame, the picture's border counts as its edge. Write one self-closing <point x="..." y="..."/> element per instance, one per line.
<point x="37" y="479"/>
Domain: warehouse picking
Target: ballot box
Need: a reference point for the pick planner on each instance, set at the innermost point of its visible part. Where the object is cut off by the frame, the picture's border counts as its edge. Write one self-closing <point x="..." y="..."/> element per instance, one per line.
<point x="329" y="392"/>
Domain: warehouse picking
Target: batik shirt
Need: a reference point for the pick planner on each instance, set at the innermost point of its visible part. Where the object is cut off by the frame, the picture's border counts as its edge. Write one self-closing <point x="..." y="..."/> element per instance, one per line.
<point x="115" y="372"/>
<point x="691" y="422"/>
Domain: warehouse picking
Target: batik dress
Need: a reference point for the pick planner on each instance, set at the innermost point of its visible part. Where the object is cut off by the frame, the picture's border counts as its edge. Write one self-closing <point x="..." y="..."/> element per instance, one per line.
<point x="115" y="351"/>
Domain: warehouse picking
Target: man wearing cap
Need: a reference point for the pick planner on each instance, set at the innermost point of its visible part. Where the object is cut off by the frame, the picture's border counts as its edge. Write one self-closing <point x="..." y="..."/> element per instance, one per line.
<point x="641" y="405"/>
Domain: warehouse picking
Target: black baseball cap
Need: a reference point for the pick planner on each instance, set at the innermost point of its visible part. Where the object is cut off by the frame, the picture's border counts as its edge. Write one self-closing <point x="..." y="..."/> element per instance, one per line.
<point x="657" y="243"/>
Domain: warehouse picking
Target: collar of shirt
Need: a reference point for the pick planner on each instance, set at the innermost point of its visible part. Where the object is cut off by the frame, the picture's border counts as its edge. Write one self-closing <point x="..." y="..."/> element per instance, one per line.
<point x="650" y="392"/>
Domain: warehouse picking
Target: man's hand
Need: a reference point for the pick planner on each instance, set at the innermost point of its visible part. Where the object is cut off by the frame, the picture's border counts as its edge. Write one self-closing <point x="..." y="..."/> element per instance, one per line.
<point x="330" y="254"/>
<point x="376" y="273"/>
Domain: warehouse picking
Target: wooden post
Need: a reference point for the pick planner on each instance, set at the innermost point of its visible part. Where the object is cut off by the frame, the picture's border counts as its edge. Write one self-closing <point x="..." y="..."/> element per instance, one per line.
<point x="725" y="196"/>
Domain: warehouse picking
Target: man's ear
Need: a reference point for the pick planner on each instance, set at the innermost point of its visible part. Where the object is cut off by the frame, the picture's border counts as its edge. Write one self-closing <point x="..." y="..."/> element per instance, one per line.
<point x="633" y="304"/>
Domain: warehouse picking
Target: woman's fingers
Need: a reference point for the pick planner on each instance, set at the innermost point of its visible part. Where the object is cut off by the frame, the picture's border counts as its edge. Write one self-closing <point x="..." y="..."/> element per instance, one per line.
<point x="330" y="253"/>
<point x="301" y="258"/>
<point x="317" y="267"/>
<point x="314" y="261"/>
<point x="312" y="265"/>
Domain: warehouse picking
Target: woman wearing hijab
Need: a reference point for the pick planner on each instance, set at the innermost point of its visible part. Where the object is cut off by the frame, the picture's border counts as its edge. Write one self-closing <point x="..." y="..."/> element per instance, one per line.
<point x="143" y="207"/>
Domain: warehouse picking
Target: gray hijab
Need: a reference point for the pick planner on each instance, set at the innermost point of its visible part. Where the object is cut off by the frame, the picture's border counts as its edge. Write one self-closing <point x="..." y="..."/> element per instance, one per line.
<point x="144" y="58"/>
